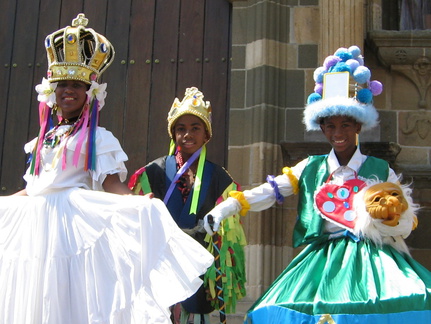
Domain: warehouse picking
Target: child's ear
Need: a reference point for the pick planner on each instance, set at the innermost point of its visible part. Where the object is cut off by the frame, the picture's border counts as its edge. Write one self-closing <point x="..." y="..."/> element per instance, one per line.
<point x="358" y="128"/>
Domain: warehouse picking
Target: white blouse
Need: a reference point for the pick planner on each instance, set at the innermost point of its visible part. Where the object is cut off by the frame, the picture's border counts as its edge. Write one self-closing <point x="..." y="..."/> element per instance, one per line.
<point x="110" y="159"/>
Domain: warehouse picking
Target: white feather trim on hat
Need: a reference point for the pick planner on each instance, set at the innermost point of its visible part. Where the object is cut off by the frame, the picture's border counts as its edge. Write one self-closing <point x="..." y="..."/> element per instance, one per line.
<point x="338" y="106"/>
<point x="374" y="229"/>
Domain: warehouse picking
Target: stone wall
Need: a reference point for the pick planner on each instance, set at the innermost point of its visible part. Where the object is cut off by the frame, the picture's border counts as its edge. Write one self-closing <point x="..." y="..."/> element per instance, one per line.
<point x="402" y="61"/>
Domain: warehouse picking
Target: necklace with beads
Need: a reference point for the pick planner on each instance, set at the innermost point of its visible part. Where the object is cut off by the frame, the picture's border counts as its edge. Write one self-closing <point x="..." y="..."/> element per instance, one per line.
<point x="69" y="121"/>
<point x="54" y="136"/>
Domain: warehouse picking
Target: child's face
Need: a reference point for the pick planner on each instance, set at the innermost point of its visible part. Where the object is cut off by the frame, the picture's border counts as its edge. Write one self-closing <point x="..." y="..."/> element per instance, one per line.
<point x="341" y="132"/>
<point x="70" y="97"/>
<point x="190" y="133"/>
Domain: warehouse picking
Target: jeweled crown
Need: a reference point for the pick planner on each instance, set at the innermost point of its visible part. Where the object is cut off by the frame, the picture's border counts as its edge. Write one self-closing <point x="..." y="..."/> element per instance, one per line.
<point x="77" y="53"/>
<point x="192" y="104"/>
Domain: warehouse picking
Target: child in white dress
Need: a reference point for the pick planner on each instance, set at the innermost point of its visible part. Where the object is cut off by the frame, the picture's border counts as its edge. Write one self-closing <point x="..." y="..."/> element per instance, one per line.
<point x="75" y="245"/>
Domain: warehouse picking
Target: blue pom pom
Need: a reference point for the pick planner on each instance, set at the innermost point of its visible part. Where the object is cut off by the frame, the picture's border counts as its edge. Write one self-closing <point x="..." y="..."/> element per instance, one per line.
<point x="355" y="51"/>
<point x="353" y="65"/>
<point x="365" y="96"/>
<point x="362" y="74"/>
<point x="340" y="67"/>
<point x="343" y="54"/>
<point x="318" y="74"/>
<point x="313" y="97"/>
<point x="340" y="51"/>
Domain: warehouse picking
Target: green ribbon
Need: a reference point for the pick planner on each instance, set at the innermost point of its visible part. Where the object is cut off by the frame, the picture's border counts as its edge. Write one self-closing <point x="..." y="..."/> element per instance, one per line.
<point x="198" y="181"/>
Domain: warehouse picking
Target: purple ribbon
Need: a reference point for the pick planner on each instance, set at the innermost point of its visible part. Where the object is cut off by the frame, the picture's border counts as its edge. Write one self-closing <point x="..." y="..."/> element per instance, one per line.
<point x="278" y="196"/>
<point x="180" y="172"/>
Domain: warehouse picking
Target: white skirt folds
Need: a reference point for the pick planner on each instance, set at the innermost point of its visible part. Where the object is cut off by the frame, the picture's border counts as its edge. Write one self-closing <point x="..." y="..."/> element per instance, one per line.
<point x="79" y="256"/>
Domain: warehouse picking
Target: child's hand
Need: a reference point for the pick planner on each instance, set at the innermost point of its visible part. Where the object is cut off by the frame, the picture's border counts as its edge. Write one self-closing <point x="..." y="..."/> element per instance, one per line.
<point x="227" y="208"/>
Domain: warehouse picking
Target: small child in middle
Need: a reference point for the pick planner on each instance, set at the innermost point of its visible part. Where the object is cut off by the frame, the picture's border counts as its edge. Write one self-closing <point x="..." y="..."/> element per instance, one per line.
<point x="191" y="186"/>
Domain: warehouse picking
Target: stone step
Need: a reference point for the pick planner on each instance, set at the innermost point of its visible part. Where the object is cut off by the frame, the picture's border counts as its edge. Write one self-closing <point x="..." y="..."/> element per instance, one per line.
<point x="230" y="318"/>
<point x="238" y="317"/>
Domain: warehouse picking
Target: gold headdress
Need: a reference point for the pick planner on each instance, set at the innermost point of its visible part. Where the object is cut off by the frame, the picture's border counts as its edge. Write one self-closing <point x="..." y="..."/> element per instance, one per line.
<point x="192" y="104"/>
<point x="77" y="53"/>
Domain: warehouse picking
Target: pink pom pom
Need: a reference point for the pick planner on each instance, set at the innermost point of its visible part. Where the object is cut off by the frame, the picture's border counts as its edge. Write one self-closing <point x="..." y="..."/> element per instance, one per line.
<point x="376" y="87"/>
<point x="331" y="61"/>
<point x="318" y="88"/>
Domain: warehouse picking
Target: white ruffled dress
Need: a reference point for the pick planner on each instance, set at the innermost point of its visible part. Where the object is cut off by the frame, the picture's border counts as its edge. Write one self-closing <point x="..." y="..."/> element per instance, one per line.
<point x="73" y="254"/>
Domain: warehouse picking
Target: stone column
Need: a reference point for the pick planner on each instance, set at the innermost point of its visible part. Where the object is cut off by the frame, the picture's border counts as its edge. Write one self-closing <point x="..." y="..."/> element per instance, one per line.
<point x="342" y="25"/>
<point x="274" y="53"/>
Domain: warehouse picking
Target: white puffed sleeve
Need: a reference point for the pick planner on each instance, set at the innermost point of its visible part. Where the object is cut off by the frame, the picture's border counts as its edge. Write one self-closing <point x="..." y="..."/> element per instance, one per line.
<point x="264" y="196"/>
<point x="110" y="157"/>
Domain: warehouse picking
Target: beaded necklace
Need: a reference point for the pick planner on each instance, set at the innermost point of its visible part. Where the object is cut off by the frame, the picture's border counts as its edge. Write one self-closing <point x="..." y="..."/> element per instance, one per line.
<point x="55" y="135"/>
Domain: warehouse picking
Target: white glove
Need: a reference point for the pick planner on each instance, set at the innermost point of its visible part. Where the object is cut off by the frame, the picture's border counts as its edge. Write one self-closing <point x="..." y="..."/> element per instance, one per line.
<point x="227" y="208"/>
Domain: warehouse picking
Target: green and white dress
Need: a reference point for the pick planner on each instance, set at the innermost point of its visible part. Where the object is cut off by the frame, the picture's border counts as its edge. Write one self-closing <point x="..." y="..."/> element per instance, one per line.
<point x="339" y="277"/>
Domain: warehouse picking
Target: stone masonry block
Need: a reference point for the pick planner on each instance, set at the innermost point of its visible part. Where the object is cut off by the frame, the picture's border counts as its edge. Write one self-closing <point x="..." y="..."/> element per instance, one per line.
<point x="306" y="21"/>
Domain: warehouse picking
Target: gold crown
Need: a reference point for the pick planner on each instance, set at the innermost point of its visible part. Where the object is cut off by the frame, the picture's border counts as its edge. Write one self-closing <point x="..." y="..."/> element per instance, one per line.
<point x="77" y="53"/>
<point x="192" y="104"/>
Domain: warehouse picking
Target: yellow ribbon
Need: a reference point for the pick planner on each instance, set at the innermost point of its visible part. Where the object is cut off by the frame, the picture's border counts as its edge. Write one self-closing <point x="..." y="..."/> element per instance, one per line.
<point x="292" y="178"/>
<point x="238" y="195"/>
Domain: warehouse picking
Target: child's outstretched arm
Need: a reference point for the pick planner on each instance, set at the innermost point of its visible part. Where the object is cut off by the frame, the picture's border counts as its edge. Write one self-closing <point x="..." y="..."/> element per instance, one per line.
<point x="212" y="220"/>
<point x="256" y="199"/>
<point x="113" y="184"/>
